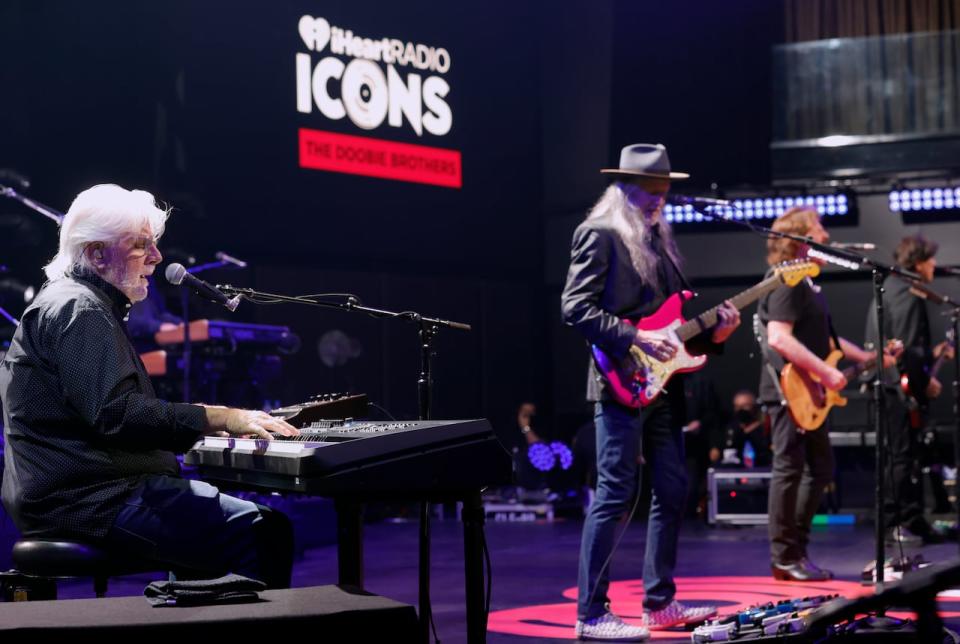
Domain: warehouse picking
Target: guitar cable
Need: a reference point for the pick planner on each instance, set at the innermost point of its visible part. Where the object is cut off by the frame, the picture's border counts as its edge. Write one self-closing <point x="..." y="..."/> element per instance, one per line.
<point x="623" y="531"/>
<point x="383" y="410"/>
<point x="486" y="557"/>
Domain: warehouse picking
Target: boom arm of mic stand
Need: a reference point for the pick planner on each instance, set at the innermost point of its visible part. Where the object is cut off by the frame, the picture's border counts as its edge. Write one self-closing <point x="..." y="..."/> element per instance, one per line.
<point x="351" y="304"/>
<point x="36" y="206"/>
<point x="845" y="254"/>
<point x="9" y="318"/>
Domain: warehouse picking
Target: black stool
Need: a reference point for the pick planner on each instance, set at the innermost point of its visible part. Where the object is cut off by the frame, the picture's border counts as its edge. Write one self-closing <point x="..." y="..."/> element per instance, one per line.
<point x="53" y="558"/>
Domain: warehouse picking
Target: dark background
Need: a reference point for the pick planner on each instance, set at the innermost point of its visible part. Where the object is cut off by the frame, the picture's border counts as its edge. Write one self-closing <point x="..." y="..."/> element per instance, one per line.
<point x="196" y="103"/>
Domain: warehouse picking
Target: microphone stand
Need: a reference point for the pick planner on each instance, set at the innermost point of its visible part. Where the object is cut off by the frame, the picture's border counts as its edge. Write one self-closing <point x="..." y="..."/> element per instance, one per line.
<point x="9" y="318"/>
<point x="472" y="511"/>
<point x="880" y="271"/>
<point x="46" y="211"/>
<point x="185" y="311"/>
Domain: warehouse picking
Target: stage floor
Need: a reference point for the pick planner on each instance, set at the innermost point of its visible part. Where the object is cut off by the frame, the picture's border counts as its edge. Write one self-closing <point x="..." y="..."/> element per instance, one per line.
<point x="534" y="573"/>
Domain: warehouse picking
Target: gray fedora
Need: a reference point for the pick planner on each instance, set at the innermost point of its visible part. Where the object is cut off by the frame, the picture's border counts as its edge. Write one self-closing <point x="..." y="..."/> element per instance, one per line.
<point x="645" y="160"/>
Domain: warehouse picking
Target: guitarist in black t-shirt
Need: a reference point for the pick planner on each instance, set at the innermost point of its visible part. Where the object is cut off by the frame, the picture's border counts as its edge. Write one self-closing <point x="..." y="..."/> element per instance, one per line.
<point x="797" y="329"/>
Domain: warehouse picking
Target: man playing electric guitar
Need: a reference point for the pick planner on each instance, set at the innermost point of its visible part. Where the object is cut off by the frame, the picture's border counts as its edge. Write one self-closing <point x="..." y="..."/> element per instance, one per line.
<point x="797" y="330"/>
<point x="624" y="264"/>
<point x="906" y="316"/>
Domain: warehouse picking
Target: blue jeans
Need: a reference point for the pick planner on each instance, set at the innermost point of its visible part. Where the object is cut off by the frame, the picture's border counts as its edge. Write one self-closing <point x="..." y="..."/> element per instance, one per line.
<point x="619" y="432"/>
<point x="198" y="532"/>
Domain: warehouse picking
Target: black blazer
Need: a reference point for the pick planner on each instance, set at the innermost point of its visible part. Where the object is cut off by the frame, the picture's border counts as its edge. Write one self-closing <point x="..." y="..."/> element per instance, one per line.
<point x="603" y="289"/>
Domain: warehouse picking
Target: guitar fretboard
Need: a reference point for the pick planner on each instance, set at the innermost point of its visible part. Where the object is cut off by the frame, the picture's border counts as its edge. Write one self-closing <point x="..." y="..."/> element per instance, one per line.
<point x="855" y="370"/>
<point x="708" y="318"/>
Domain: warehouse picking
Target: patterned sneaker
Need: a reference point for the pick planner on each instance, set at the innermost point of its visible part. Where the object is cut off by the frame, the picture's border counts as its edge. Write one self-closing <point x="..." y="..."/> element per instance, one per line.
<point x="676" y="614"/>
<point x="610" y="628"/>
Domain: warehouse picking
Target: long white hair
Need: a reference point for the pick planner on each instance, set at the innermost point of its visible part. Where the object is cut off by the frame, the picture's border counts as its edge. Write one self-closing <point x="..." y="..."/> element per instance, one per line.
<point x="631" y="225"/>
<point x="104" y="213"/>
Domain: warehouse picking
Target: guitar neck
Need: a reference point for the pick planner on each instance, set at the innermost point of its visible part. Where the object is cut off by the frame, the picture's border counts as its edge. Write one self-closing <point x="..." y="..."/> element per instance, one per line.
<point x="855" y="370"/>
<point x="939" y="363"/>
<point x="743" y="299"/>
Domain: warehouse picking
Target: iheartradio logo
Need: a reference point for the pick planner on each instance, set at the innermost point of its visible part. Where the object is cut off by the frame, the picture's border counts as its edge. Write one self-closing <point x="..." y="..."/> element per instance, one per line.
<point x="382" y="79"/>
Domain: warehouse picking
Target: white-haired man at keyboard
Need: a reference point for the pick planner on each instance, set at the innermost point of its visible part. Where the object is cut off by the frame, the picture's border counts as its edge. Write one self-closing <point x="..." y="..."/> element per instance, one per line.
<point x="90" y="450"/>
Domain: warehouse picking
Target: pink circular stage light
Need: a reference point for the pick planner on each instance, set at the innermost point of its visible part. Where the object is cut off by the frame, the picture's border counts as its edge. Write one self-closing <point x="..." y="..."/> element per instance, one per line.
<point x="730" y="594"/>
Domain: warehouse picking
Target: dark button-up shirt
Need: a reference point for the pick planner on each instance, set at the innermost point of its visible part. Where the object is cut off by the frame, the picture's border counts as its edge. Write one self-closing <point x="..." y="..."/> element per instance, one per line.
<point x="82" y="423"/>
<point x="906" y="317"/>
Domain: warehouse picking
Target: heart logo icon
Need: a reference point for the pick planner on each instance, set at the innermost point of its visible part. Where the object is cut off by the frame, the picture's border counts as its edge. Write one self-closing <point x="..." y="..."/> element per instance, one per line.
<point x="315" y="32"/>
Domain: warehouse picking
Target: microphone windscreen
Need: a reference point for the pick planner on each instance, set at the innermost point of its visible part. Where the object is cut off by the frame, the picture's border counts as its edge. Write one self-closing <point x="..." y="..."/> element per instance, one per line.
<point x="175" y="273"/>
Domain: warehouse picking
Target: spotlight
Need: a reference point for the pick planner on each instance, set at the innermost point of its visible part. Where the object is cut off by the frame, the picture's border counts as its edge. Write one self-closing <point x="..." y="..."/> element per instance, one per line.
<point x="925" y="204"/>
<point x="17" y="289"/>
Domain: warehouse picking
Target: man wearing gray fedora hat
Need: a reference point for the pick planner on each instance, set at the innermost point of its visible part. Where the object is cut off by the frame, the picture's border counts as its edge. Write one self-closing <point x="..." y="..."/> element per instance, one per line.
<point x="624" y="265"/>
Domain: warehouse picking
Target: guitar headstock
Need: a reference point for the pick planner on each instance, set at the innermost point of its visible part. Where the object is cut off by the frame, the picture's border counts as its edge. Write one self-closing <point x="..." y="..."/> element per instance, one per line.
<point x="794" y="271"/>
<point x="894" y="348"/>
<point x="946" y="348"/>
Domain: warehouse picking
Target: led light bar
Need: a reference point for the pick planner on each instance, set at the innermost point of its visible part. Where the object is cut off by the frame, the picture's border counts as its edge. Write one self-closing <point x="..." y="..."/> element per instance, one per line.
<point x="924" y="199"/>
<point x="762" y="208"/>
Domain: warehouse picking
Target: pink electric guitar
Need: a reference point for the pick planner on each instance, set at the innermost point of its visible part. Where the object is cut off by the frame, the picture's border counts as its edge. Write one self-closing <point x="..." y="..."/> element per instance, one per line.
<point x="637" y="379"/>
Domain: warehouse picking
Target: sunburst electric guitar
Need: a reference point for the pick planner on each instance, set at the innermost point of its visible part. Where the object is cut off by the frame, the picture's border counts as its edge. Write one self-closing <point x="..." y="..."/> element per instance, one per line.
<point x="637" y="379"/>
<point x="808" y="401"/>
<point x="917" y="402"/>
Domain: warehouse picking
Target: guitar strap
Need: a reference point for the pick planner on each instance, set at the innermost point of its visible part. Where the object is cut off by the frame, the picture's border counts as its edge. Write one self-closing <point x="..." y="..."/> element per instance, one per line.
<point x="833" y="335"/>
<point x="683" y="280"/>
<point x="759" y="333"/>
<point x="656" y="241"/>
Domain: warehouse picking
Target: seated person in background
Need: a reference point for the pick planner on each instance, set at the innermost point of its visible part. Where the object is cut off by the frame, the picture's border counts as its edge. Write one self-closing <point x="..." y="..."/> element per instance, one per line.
<point x="526" y="417"/>
<point x="90" y="450"/>
<point x="529" y="477"/>
<point x="745" y="428"/>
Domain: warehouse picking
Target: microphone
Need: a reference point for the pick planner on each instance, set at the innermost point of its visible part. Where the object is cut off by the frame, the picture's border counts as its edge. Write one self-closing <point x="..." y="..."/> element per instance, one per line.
<point x="683" y="200"/>
<point x="853" y="246"/>
<point x="947" y="270"/>
<point x="176" y="274"/>
<point x="228" y="259"/>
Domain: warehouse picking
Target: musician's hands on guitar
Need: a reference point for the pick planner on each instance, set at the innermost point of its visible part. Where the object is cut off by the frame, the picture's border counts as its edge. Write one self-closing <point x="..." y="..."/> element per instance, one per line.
<point x="657" y="346"/>
<point x="892" y="353"/>
<point x="945" y="349"/>
<point x="728" y="319"/>
<point x="832" y="378"/>
<point x="934" y="388"/>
